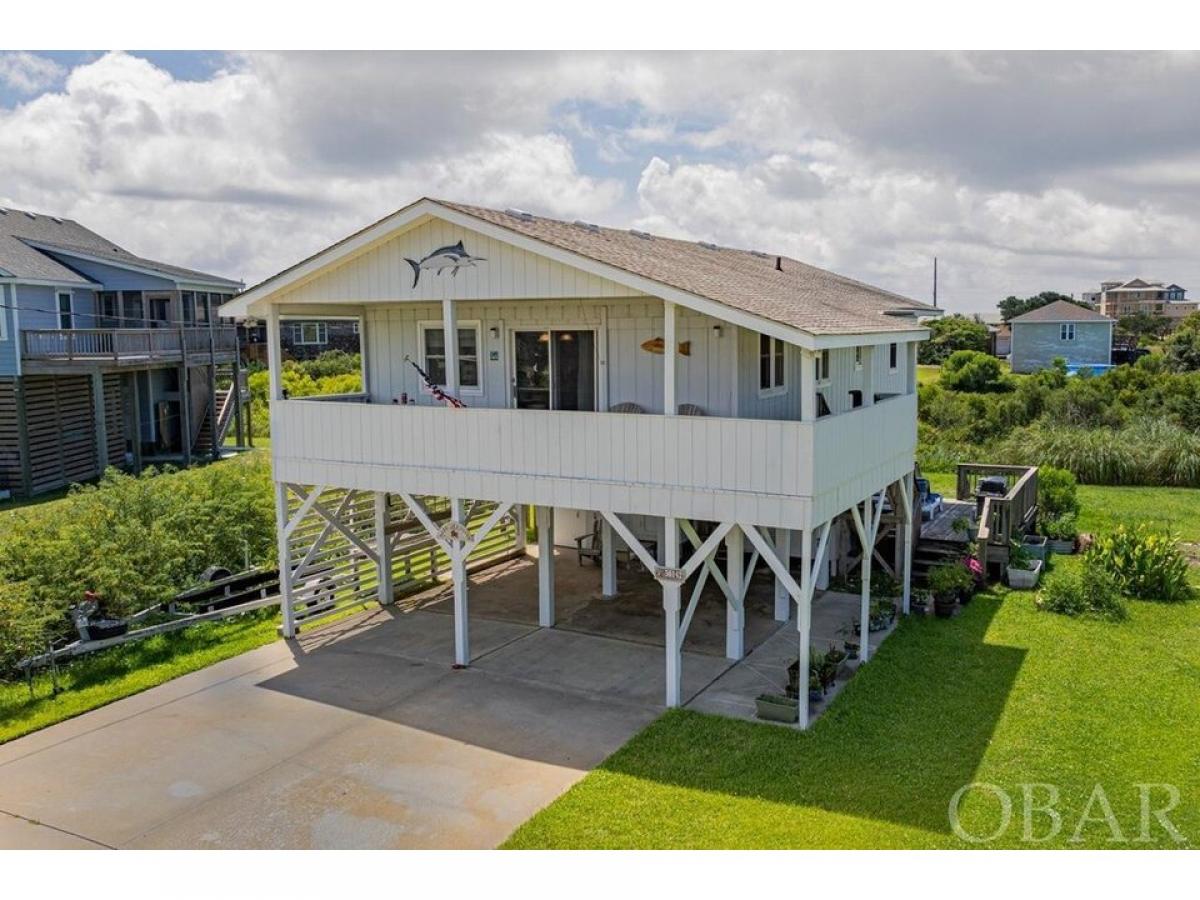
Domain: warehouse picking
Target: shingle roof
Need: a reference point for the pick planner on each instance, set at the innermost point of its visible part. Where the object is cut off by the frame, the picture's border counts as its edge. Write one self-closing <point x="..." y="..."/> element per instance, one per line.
<point x="1060" y="311"/>
<point x="23" y="235"/>
<point x="799" y="295"/>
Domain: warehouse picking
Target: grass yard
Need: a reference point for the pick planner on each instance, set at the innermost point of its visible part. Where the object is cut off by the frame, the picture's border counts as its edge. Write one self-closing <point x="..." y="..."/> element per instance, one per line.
<point x="108" y="675"/>
<point x="1002" y="694"/>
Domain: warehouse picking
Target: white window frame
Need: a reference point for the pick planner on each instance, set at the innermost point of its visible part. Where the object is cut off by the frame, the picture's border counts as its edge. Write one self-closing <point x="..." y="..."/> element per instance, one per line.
<point x="298" y="333"/>
<point x="824" y="367"/>
<point x="480" y="355"/>
<point x="774" y="346"/>
<point x="1066" y="331"/>
<point x="858" y="357"/>
<point x="70" y="295"/>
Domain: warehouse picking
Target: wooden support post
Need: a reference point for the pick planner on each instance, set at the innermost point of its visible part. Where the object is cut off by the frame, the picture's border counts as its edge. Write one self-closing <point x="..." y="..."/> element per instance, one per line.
<point x="907" y="502"/>
<point x="450" y="333"/>
<point x="670" y="350"/>
<point x="783" y="549"/>
<point x="808" y="390"/>
<point x="735" y="613"/>
<point x="288" y="628"/>
<point x="239" y="428"/>
<point x="458" y="563"/>
<point x="383" y="549"/>
<point x="274" y="354"/>
<point x="23" y="433"/>
<point x="545" y="533"/>
<point x="865" y="593"/>
<point x="608" y="560"/>
<point x="672" y="591"/>
<point x="804" y="622"/>
<point x="99" y="423"/>
<point x="215" y="449"/>
<point x="136" y="378"/>
<point x="911" y="361"/>
<point x="185" y="414"/>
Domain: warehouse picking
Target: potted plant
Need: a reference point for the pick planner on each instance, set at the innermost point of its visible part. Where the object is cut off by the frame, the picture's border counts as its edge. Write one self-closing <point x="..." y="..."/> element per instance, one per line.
<point x="946" y="581"/>
<point x="883" y="613"/>
<point x="776" y="708"/>
<point x="1061" y="533"/>
<point x="1035" y="545"/>
<point x="815" y="692"/>
<point x="851" y="648"/>
<point x="1023" y="570"/>
<point x="918" y="602"/>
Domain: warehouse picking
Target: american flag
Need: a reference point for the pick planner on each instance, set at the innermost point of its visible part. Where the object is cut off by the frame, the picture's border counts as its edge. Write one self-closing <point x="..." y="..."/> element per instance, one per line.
<point x="438" y="394"/>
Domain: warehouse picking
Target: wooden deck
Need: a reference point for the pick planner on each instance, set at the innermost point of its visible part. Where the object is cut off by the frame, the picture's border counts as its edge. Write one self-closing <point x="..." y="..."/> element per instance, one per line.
<point x="941" y="526"/>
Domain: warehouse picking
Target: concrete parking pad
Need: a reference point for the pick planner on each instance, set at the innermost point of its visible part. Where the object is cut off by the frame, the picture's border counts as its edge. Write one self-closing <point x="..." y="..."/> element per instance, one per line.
<point x="357" y="735"/>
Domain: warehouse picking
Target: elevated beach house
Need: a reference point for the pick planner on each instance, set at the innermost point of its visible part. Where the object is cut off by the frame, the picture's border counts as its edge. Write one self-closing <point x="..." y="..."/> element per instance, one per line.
<point x="106" y="358"/>
<point x="694" y="402"/>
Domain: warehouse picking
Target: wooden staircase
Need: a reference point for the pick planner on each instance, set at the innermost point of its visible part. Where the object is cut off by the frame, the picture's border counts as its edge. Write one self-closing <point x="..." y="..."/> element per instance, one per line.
<point x="203" y="444"/>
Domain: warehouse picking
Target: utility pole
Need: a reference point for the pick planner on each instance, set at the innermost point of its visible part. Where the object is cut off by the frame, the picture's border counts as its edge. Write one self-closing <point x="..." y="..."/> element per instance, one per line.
<point x="935" y="282"/>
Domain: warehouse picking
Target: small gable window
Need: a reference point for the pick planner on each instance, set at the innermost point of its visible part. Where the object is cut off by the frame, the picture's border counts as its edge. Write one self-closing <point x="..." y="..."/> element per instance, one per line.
<point x="893" y="356"/>
<point x="1066" y="331"/>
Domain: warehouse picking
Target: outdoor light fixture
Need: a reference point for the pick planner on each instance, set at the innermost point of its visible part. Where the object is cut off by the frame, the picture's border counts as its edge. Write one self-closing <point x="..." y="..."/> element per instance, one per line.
<point x="494" y="332"/>
<point x="717" y="331"/>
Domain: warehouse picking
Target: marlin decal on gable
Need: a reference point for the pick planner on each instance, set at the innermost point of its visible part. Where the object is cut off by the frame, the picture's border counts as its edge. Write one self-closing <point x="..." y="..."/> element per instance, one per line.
<point x="452" y="257"/>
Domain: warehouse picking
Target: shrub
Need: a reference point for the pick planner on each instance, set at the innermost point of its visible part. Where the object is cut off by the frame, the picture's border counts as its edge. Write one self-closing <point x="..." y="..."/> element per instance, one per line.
<point x="970" y="370"/>
<point x="24" y="625"/>
<point x="1057" y="492"/>
<point x="138" y="540"/>
<point x="949" y="334"/>
<point x="949" y="579"/>
<point x="1083" y="591"/>
<point x="1061" y="528"/>
<point x="1146" y="564"/>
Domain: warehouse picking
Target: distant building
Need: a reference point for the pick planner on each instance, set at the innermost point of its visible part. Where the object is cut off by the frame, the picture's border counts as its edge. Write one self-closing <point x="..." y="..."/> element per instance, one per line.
<point x="1080" y="336"/>
<point x="106" y="358"/>
<point x="1117" y="299"/>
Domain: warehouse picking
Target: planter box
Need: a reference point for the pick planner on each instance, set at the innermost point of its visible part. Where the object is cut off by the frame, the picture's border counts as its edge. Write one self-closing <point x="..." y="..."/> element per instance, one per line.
<point x="1035" y="545"/>
<point x="1066" y="548"/>
<point x="1025" y="578"/>
<point x="776" y="709"/>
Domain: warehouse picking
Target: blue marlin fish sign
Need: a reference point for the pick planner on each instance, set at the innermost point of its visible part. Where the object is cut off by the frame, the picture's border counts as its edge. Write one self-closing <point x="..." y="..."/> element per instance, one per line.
<point x="452" y="257"/>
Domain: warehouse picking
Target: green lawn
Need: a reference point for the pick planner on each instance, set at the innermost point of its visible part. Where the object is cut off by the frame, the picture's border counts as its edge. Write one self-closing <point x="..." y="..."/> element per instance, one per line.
<point x="1002" y="694"/>
<point x="101" y="678"/>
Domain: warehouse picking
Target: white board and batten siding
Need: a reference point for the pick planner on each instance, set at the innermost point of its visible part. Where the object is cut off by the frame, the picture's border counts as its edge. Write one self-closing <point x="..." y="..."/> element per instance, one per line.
<point x="712" y="469"/>
<point x="381" y="273"/>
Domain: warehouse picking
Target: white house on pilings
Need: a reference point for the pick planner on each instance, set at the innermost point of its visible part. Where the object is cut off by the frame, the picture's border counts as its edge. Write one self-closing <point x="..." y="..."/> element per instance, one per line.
<point x="683" y="394"/>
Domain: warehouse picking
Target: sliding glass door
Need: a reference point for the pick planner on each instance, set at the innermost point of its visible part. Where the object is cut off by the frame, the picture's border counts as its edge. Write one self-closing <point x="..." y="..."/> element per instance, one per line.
<point x="554" y="369"/>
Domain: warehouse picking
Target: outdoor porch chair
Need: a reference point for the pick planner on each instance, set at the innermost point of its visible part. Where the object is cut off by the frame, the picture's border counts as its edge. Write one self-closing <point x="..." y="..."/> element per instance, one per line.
<point x="626" y="408"/>
<point x="590" y="545"/>
<point x="691" y="409"/>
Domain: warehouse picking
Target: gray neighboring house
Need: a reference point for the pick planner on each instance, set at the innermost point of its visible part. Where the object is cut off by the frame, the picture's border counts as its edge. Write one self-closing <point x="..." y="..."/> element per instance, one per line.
<point x="106" y="358"/>
<point x="1081" y="336"/>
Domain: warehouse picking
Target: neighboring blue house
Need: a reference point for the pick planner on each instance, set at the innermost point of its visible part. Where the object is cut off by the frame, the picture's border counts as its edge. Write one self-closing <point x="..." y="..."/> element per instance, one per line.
<point x="105" y="358"/>
<point x="1081" y="336"/>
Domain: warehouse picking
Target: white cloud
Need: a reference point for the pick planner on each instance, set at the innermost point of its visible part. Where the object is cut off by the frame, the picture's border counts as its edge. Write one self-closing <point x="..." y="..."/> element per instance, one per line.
<point x="27" y="73"/>
<point x="1017" y="170"/>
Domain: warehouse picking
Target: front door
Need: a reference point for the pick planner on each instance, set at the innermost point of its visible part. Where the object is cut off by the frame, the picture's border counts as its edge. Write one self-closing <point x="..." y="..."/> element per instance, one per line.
<point x="554" y="369"/>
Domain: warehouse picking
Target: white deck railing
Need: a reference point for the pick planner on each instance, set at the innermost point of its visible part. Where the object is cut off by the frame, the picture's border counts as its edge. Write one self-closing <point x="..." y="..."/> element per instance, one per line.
<point x="125" y="344"/>
<point x="764" y="471"/>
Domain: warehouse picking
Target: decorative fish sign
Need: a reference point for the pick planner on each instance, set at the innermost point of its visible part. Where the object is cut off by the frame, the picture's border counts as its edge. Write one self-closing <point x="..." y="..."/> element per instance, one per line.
<point x="656" y="345"/>
<point x="452" y="257"/>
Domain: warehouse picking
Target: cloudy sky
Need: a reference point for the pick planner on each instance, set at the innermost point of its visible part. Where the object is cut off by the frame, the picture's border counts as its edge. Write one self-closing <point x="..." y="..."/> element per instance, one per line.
<point x="1020" y="172"/>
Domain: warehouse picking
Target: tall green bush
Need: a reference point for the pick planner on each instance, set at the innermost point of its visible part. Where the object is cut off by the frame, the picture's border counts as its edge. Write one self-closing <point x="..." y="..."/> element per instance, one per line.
<point x="138" y="540"/>
<point x="970" y="370"/>
<point x="1086" y="591"/>
<point x="1057" y="492"/>
<point x="1146" y="564"/>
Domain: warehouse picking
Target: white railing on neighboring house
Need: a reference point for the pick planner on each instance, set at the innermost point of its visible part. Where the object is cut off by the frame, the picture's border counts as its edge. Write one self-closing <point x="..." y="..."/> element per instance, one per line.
<point x="764" y="471"/>
<point x="119" y="344"/>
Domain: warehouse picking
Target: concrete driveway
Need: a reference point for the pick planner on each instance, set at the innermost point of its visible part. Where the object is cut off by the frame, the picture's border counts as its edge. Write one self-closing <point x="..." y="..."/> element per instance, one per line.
<point x="359" y="735"/>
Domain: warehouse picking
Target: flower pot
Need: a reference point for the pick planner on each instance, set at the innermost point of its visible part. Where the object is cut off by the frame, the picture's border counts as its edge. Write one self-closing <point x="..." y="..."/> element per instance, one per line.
<point x="814" y="696"/>
<point x="1025" y="578"/>
<point x="1066" y="548"/>
<point x="944" y="607"/>
<point x="1035" y="545"/>
<point x="851" y="650"/>
<point x="776" y="709"/>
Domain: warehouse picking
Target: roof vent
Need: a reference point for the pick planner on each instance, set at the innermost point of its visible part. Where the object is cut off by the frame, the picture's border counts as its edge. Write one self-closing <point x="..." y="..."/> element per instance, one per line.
<point x="57" y="219"/>
<point x="31" y="215"/>
<point x="3" y="211"/>
<point x="779" y="264"/>
<point x="760" y="254"/>
<point x="644" y="235"/>
<point x="707" y="245"/>
<point x="586" y="226"/>
<point x="519" y="214"/>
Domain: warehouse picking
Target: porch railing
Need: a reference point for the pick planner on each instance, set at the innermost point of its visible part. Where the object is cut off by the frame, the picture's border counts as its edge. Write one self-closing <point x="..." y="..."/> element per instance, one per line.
<point x="117" y="344"/>
<point x="1001" y="518"/>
